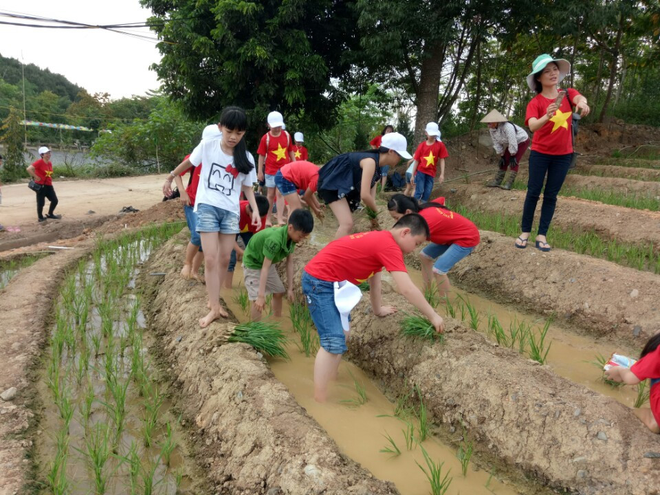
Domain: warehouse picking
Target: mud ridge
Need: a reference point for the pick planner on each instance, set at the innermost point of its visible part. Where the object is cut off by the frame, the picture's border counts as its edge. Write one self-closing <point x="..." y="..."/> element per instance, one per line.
<point x="561" y="432"/>
<point x="639" y="227"/>
<point x="252" y="435"/>
<point x="627" y="186"/>
<point x="637" y="173"/>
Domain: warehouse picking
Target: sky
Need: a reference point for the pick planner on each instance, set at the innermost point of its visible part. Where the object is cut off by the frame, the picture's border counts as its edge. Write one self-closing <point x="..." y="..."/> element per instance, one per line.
<point x="97" y="60"/>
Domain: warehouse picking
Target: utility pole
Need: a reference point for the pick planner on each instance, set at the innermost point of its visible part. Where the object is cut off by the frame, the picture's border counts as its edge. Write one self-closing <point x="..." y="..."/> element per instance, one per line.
<point x="24" y="113"/>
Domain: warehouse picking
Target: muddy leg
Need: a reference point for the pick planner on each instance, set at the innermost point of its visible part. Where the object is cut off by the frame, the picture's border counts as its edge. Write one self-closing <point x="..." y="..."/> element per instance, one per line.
<point x="191" y="251"/>
<point x="427" y="270"/>
<point x="217" y="248"/>
<point x="196" y="265"/>
<point x="255" y="314"/>
<point x="442" y="282"/>
<point x="326" y="367"/>
<point x="646" y="416"/>
<point x="277" y="304"/>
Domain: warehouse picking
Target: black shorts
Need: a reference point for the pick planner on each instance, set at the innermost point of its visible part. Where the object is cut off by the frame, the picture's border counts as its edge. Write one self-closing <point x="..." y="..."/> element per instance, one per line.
<point x="330" y="196"/>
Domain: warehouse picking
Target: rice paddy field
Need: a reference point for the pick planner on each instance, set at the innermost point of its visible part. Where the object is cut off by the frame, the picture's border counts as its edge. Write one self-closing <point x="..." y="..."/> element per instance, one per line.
<point x="116" y="388"/>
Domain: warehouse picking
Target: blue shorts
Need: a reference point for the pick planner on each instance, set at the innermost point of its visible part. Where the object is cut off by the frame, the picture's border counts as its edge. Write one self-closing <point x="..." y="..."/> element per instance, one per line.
<point x="214" y="219"/>
<point x="320" y="296"/>
<point x="284" y="186"/>
<point x="408" y="177"/>
<point x="447" y="255"/>
<point x="383" y="170"/>
<point x="270" y="180"/>
<point x="191" y="220"/>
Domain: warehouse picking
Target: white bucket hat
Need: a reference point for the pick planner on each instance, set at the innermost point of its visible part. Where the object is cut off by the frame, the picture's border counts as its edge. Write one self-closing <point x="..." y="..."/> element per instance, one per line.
<point x="396" y="142"/>
<point x="347" y="296"/>
<point x="540" y="63"/>
<point x="211" y="132"/>
<point x="432" y="129"/>
<point x="275" y="119"/>
<point x="43" y="150"/>
<point x="494" y="117"/>
<point x="298" y="137"/>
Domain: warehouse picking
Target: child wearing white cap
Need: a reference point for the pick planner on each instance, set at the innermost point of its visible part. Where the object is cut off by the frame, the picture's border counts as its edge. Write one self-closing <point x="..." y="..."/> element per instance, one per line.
<point x="428" y="156"/>
<point x="275" y="151"/>
<point x="299" y="150"/>
<point x="355" y="259"/>
<point x="42" y="173"/>
<point x="352" y="177"/>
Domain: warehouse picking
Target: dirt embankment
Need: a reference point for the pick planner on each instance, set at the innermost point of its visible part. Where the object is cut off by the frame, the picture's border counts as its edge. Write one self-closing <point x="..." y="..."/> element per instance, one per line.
<point x="521" y="412"/>
<point x="639" y="227"/>
<point x="617" y="185"/>
<point x="643" y="174"/>
<point x="25" y="308"/>
<point x="251" y="436"/>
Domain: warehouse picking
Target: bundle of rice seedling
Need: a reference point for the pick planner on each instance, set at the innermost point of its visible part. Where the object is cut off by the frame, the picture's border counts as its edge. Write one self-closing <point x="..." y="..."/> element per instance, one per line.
<point x="418" y="326"/>
<point x="266" y="338"/>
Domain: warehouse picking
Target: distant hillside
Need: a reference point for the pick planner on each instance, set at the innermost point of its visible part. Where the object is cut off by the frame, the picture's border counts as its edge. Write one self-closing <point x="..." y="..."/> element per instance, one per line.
<point x="42" y="79"/>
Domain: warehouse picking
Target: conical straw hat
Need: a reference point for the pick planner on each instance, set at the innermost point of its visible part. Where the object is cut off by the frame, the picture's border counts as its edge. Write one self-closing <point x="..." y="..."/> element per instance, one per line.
<point x="493" y="117"/>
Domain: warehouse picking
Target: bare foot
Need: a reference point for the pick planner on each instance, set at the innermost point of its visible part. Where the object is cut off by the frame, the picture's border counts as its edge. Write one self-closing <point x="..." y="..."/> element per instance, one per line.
<point x="212" y="316"/>
<point x="199" y="277"/>
<point x="185" y="271"/>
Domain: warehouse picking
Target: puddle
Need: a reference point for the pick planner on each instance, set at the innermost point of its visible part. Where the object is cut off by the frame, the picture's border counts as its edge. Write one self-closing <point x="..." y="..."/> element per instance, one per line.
<point x="106" y="425"/>
<point x="360" y="431"/>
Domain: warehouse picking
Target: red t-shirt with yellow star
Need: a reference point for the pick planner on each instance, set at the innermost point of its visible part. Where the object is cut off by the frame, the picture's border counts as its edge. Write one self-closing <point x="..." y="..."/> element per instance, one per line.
<point x="427" y="157"/>
<point x="448" y="227"/>
<point x="555" y="137"/>
<point x="245" y="221"/>
<point x="357" y="257"/>
<point x="299" y="152"/>
<point x="44" y="171"/>
<point x="305" y="175"/>
<point x="277" y="153"/>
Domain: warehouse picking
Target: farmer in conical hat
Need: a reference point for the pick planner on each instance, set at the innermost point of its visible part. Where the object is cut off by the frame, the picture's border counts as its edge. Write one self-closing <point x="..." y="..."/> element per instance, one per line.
<point x="510" y="142"/>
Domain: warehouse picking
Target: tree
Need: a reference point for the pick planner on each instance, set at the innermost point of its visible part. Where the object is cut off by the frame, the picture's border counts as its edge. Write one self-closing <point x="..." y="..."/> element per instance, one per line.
<point x="13" y="134"/>
<point x="261" y="55"/>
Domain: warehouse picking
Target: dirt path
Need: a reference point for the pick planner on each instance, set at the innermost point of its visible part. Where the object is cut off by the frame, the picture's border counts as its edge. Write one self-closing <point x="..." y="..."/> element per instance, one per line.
<point x="105" y="197"/>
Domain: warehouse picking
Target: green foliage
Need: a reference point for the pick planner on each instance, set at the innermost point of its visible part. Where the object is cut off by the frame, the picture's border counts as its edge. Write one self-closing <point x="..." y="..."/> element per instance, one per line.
<point x="266" y="338"/>
<point x="12" y="137"/>
<point x="419" y="327"/>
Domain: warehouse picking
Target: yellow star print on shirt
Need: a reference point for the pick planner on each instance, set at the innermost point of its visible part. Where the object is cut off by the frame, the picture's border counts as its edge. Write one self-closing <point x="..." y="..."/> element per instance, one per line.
<point x="297" y="154"/>
<point x="49" y="173"/>
<point x="560" y="120"/>
<point x="430" y="160"/>
<point x="360" y="280"/>
<point x="280" y="152"/>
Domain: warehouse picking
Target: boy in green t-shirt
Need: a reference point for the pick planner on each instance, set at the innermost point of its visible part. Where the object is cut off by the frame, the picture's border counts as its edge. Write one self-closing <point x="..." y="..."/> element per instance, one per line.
<point x="263" y="252"/>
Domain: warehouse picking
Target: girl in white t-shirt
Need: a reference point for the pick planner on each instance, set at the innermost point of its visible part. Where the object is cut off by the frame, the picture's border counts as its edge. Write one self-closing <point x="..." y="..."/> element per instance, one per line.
<point x="227" y="170"/>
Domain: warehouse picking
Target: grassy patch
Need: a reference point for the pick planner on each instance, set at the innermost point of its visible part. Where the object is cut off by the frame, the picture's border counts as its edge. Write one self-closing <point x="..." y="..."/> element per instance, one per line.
<point x="266" y="338"/>
<point x="419" y="327"/>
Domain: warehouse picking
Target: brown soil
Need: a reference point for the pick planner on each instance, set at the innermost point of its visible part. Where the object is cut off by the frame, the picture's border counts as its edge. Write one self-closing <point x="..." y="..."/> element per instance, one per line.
<point x="566" y="435"/>
<point x="618" y="185"/>
<point x="251" y="436"/>
<point x="644" y="174"/>
<point x="639" y="227"/>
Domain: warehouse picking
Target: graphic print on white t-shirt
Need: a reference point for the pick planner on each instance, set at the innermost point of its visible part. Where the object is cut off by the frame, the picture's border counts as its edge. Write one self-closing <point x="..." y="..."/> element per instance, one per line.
<point x="222" y="179"/>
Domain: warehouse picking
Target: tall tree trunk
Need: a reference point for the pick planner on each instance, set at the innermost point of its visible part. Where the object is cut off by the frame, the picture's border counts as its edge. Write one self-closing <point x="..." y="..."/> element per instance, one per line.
<point x="428" y="89"/>
<point x="613" y="67"/>
<point x="477" y="96"/>
<point x="622" y="80"/>
<point x="599" y="74"/>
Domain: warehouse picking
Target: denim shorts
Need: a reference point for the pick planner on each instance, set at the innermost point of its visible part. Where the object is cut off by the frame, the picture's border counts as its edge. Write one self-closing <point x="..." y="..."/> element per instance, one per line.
<point x="214" y="219"/>
<point x="284" y="186"/>
<point x="270" y="180"/>
<point x="408" y="177"/>
<point x="447" y="255"/>
<point x="384" y="169"/>
<point x="191" y="220"/>
<point x="320" y="296"/>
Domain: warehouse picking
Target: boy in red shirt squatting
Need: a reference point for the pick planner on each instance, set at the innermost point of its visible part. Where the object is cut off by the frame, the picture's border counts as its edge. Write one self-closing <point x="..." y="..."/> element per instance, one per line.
<point x="354" y="259"/>
<point x="648" y="366"/>
<point x="295" y="176"/>
<point x="247" y="231"/>
<point x="426" y="159"/>
<point x="275" y="151"/>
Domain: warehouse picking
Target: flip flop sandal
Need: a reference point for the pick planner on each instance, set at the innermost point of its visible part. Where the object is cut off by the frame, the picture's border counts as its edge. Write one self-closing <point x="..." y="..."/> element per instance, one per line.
<point x="523" y="241"/>
<point x="543" y="246"/>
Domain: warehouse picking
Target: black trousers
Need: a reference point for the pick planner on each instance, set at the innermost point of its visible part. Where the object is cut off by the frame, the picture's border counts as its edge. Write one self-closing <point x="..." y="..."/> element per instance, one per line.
<point x="42" y="194"/>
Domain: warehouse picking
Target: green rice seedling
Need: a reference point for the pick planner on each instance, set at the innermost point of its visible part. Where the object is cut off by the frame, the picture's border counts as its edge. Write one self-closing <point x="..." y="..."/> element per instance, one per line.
<point x="403" y="409"/>
<point x="361" y="394"/>
<point x="117" y="409"/>
<point x="168" y="446"/>
<point x="87" y="403"/>
<point x="391" y="447"/>
<point x="265" y="337"/>
<point x="431" y="295"/>
<point x="56" y="480"/>
<point x="643" y="394"/>
<point x="66" y="408"/>
<point x="423" y="417"/>
<point x="364" y="286"/>
<point x="418" y="326"/>
<point x="538" y="350"/>
<point x="241" y="298"/>
<point x="134" y="466"/>
<point x="461" y="306"/>
<point x="178" y="478"/>
<point x="599" y="362"/>
<point x="433" y="472"/>
<point x="472" y="312"/>
<point x="152" y="404"/>
<point x="97" y="452"/>
<point x="372" y="214"/>
<point x="409" y="435"/>
<point x="464" y="454"/>
<point x="302" y="323"/>
<point x="450" y="310"/>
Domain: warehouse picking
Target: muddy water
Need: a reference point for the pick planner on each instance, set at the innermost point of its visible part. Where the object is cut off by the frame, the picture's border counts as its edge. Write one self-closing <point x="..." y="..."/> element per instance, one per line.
<point x="359" y="430"/>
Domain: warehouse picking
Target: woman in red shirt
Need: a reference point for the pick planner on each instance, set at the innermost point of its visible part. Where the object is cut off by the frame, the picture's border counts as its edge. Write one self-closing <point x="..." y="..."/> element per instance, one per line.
<point x="42" y="173"/>
<point x="453" y="237"/>
<point x="549" y="117"/>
